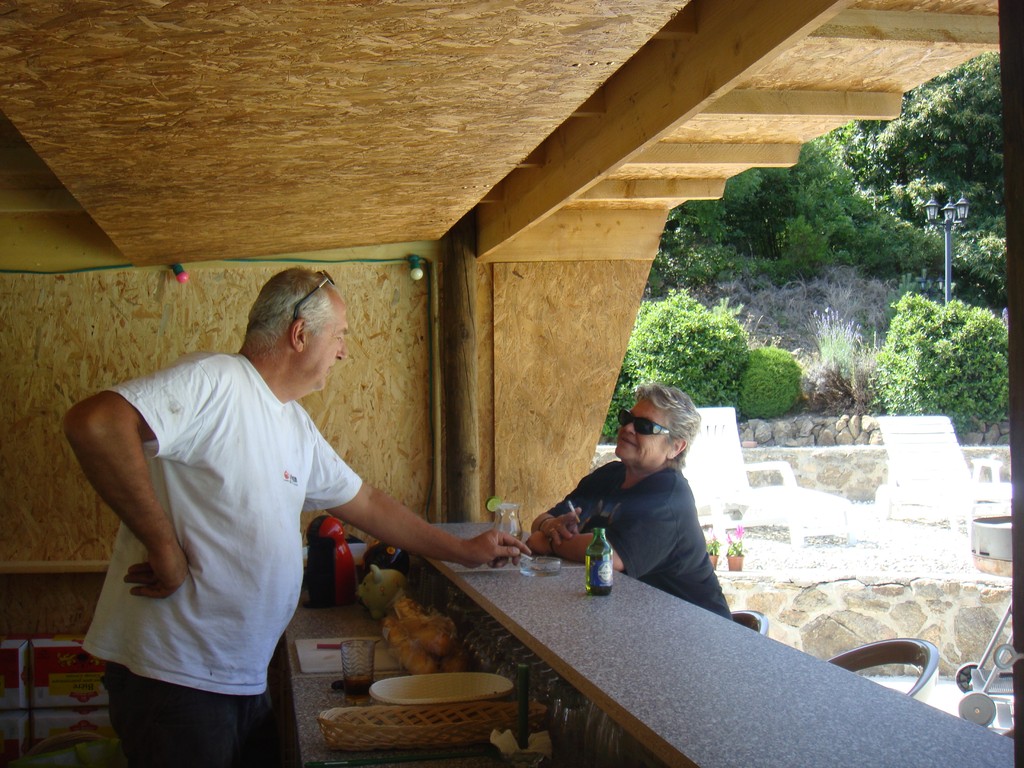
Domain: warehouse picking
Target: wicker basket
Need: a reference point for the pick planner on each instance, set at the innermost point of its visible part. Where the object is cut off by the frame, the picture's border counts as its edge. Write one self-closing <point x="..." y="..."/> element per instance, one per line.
<point x="424" y="725"/>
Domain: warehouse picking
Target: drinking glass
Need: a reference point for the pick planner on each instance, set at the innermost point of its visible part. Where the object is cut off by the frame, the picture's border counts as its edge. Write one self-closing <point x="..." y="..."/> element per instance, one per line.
<point x="357" y="668"/>
<point x="568" y="723"/>
<point x="506" y="518"/>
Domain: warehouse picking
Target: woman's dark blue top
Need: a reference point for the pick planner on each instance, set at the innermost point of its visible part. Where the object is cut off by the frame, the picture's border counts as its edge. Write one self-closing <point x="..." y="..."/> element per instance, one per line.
<point x="653" y="528"/>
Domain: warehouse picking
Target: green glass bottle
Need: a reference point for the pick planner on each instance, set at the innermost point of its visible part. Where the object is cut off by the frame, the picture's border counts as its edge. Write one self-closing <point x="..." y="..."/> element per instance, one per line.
<point x="599" y="565"/>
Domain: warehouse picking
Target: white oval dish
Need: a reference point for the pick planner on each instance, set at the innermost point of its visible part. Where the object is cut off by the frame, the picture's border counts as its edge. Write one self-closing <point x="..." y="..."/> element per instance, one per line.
<point x="440" y="688"/>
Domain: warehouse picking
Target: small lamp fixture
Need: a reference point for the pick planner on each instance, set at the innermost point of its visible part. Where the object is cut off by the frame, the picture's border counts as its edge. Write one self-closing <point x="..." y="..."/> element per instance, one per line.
<point x="961" y="209"/>
<point x="953" y="215"/>
<point x="415" y="270"/>
<point x="179" y="273"/>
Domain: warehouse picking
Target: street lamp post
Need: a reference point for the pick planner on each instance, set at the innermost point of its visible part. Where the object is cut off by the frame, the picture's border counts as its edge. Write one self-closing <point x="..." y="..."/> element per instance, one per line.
<point x="953" y="214"/>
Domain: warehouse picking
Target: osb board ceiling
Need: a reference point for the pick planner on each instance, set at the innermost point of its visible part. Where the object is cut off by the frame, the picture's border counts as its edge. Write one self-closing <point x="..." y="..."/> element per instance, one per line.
<point x="191" y="132"/>
<point x="194" y="131"/>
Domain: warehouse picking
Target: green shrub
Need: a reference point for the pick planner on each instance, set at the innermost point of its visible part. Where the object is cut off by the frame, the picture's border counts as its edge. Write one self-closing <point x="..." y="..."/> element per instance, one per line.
<point x="679" y="342"/>
<point x="950" y="359"/>
<point x="771" y="384"/>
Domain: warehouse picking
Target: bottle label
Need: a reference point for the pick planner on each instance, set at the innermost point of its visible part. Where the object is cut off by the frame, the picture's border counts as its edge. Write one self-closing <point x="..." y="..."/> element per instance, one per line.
<point x="601" y="572"/>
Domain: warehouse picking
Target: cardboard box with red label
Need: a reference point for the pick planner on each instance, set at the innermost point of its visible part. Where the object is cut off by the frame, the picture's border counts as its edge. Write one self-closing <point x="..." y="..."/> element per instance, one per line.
<point x="64" y="674"/>
<point x="14" y="726"/>
<point x="47" y="723"/>
<point x="13" y="673"/>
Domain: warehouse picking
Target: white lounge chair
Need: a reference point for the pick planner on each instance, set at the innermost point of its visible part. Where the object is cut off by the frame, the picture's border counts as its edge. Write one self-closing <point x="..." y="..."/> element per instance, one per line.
<point x="718" y="476"/>
<point x="927" y="470"/>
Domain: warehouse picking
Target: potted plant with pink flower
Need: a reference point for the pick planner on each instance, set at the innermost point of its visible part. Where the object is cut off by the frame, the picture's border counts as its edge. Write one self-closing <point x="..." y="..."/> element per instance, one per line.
<point x="735" y="551"/>
<point x="714" y="547"/>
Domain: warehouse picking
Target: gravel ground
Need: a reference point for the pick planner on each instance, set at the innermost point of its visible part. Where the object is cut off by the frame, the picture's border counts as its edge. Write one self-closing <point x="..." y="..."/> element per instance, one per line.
<point x="916" y="547"/>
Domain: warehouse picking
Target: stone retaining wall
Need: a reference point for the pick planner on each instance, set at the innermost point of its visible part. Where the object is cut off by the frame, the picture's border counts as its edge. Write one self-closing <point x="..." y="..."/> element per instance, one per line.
<point x="825" y="613"/>
<point x="806" y="431"/>
<point x="853" y="471"/>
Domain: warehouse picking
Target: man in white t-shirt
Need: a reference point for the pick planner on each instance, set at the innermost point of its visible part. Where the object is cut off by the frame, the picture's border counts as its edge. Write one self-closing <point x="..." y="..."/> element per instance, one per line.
<point x="208" y="464"/>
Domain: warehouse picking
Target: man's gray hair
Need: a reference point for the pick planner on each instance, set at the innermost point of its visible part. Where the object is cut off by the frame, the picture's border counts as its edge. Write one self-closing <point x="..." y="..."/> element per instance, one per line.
<point x="272" y="312"/>
<point x="682" y="415"/>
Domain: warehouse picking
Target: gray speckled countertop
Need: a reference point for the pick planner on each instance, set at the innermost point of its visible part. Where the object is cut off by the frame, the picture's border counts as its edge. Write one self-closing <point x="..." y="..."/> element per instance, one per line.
<point x="694" y="688"/>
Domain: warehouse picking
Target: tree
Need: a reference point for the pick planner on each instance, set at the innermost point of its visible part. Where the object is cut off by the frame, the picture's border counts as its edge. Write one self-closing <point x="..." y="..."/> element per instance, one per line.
<point x="856" y="198"/>
<point x="679" y="342"/>
<point x="781" y="224"/>
<point x="947" y="142"/>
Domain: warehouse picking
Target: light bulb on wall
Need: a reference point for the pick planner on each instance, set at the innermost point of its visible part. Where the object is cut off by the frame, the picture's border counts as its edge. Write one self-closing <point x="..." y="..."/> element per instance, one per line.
<point x="415" y="270"/>
<point x="179" y="273"/>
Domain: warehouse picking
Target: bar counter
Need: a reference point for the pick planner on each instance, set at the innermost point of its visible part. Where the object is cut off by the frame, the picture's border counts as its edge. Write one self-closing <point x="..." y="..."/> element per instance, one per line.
<point x="693" y="688"/>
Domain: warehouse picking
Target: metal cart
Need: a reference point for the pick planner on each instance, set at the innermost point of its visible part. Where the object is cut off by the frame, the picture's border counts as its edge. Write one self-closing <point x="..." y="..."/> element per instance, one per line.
<point x="988" y="683"/>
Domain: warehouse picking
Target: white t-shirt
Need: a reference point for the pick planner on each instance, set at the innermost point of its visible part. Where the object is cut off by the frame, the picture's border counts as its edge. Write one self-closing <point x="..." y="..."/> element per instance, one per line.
<point x="232" y="465"/>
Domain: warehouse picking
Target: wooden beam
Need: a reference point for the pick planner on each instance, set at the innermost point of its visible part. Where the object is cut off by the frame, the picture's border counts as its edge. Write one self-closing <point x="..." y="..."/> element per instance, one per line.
<point x="37" y="201"/>
<point x="459" y="365"/>
<point x="683" y="25"/>
<point x="671" y="192"/>
<point x="845" y="104"/>
<point x="663" y="85"/>
<point x="747" y="155"/>
<point x="533" y="160"/>
<point x="53" y="566"/>
<point x="913" y="27"/>
<point x="588" y="235"/>
<point x="22" y="160"/>
<point x="55" y="241"/>
<point x="592" y="107"/>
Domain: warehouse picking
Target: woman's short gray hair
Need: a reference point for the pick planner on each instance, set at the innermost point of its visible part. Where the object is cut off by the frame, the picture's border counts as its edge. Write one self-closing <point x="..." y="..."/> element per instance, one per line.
<point x="682" y="416"/>
<point x="273" y="311"/>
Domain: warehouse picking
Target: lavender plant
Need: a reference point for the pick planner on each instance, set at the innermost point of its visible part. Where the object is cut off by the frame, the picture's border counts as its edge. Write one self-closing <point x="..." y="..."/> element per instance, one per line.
<point x="839" y="380"/>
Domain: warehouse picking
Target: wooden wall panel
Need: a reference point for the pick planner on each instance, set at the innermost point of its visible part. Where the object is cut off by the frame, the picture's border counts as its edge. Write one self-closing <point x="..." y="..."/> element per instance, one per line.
<point x="67" y="336"/>
<point x="560" y="333"/>
<point x="45" y="604"/>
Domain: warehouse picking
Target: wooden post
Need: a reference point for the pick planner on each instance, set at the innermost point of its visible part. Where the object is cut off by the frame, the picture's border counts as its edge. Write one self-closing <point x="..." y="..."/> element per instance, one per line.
<point x="459" y="371"/>
<point x="1011" y="44"/>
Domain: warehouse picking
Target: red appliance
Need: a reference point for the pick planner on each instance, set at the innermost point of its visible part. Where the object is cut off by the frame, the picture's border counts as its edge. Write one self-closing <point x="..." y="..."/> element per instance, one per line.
<point x="330" y="577"/>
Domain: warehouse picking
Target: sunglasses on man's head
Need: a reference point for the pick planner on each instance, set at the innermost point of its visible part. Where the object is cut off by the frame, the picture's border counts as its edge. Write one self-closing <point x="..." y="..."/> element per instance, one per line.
<point x="640" y="424"/>
<point x="324" y="280"/>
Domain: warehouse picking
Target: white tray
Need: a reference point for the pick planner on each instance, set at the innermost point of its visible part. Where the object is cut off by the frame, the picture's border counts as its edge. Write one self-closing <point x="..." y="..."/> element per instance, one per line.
<point x="440" y="688"/>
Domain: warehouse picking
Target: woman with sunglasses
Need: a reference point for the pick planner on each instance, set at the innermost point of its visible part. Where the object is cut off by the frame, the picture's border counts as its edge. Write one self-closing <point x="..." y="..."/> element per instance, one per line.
<point x="643" y="502"/>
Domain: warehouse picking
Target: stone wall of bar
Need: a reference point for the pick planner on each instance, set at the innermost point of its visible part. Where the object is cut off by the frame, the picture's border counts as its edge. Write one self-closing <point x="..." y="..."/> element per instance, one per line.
<point x="825" y="614"/>
<point x="809" y="430"/>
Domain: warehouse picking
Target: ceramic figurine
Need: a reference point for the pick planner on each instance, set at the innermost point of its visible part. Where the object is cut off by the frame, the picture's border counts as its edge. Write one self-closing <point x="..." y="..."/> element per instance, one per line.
<point x="379" y="588"/>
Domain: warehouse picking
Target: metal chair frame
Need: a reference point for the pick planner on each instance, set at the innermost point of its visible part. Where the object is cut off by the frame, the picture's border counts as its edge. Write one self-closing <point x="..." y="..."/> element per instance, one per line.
<point x="901" y="650"/>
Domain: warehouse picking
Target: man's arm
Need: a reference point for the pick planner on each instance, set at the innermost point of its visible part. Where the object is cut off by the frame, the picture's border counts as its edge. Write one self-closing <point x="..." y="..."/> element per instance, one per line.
<point x="106" y="433"/>
<point x="380" y="515"/>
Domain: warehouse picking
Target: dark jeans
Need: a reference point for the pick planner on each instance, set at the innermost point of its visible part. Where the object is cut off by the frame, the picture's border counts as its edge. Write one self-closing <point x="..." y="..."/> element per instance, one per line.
<point x="162" y="724"/>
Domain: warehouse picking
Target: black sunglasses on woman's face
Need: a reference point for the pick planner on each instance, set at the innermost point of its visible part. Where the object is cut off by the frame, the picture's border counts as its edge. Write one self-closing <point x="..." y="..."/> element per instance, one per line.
<point x="640" y="424"/>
